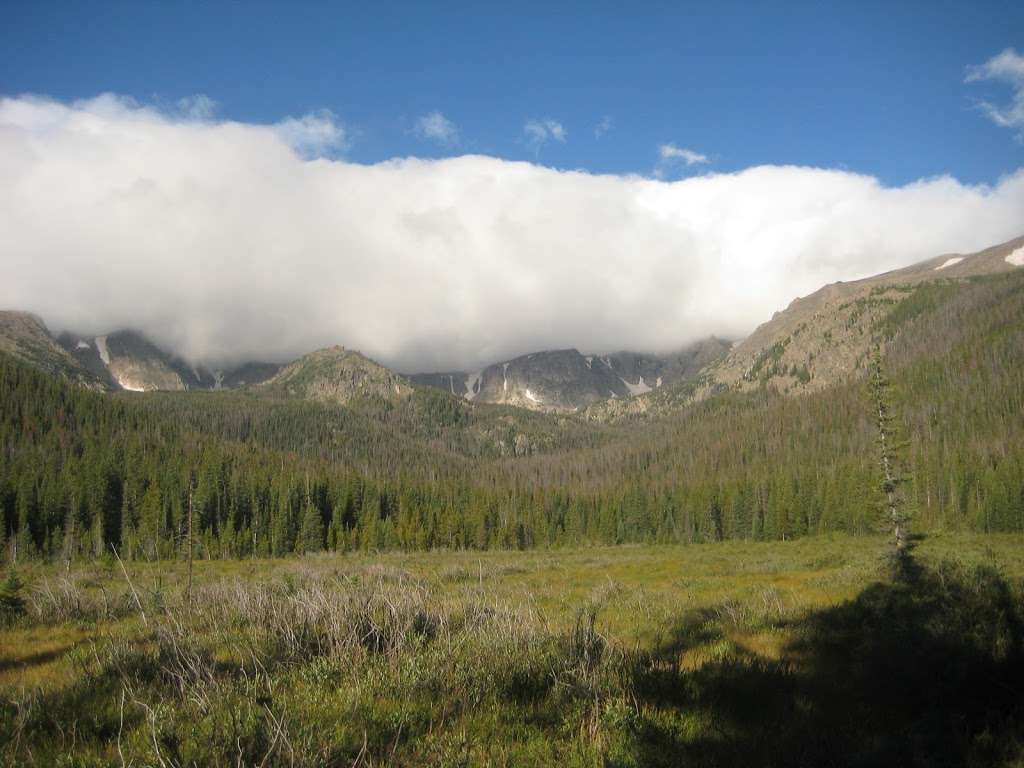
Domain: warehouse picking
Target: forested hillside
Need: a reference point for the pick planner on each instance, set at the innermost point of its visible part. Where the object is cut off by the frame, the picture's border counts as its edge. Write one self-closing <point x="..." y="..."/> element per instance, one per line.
<point x="83" y="472"/>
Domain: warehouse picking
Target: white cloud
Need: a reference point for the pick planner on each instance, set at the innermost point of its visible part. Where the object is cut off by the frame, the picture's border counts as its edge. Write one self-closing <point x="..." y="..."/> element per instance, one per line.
<point x="670" y="157"/>
<point x="437" y="128"/>
<point x="218" y="239"/>
<point x="197" y="107"/>
<point x="603" y="126"/>
<point x="688" y="156"/>
<point x="314" y="134"/>
<point x="539" y="132"/>
<point x="1007" y="67"/>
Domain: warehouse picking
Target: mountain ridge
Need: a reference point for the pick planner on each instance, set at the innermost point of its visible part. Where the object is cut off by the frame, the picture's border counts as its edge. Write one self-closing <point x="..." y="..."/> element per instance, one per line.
<point x="813" y="343"/>
<point x="566" y="381"/>
<point x="127" y="360"/>
<point x="818" y="339"/>
<point x="821" y="339"/>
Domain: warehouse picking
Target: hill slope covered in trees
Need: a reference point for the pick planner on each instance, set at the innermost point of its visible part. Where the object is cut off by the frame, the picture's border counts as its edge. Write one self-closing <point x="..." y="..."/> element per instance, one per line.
<point x="81" y="471"/>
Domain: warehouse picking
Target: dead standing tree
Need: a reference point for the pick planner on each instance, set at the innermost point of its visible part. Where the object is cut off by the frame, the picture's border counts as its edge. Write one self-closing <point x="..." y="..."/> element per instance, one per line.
<point x="190" y="535"/>
<point x="888" y="450"/>
<point x="188" y="588"/>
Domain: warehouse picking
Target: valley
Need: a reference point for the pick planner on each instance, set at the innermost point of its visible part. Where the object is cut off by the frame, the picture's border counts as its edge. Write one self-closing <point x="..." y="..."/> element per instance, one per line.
<point x="511" y="385"/>
<point x="387" y="571"/>
<point x="770" y="440"/>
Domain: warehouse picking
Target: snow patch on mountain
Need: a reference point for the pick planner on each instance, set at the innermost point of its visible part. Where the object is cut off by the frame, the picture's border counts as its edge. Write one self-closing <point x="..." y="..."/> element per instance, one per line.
<point x="1016" y="258"/>
<point x="949" y="262"/>
<point x="640" y="388"/>
<point x="101" y="347"/>
<point x="532" y="397"/>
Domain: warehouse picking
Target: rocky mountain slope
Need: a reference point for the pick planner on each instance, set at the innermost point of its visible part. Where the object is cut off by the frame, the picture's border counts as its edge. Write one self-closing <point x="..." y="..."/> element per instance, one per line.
<point x="823" y="338"/>
<point x="336" y="375"/>
<point x="127" y="360"/>
<point x="130" y="362"/>
<point x="121" y="360"/>
<point x="26" y="337"/>
<point x="566" y="380"/>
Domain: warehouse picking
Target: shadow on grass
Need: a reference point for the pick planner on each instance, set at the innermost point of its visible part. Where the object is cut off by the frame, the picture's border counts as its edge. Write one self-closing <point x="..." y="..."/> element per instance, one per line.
<point x="36" y="659"/>
<point x="924" y="670"/>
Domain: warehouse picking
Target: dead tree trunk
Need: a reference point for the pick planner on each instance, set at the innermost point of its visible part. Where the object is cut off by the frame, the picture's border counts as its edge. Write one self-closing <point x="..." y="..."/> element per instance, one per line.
<point x="891" y="478"/>
<point x="188" y="588"/>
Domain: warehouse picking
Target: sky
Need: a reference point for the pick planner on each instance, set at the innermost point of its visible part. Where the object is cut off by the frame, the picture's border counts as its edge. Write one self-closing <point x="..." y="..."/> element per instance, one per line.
<point x="447" y="184"/>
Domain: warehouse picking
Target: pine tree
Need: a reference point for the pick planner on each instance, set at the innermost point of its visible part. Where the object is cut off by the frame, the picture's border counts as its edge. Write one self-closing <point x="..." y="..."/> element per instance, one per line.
<point x="151" y="527"/>
<point x="311" y="534"/>
<point x="24" y="543"/>
<point x="11" y="601"/>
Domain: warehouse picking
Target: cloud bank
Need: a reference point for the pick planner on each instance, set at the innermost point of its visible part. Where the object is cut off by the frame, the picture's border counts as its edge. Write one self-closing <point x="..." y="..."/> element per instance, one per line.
<point x="224" y="241"/>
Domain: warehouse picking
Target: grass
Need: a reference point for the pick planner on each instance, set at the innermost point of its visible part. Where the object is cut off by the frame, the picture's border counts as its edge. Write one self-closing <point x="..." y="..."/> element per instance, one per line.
<point x="789" y="653"/>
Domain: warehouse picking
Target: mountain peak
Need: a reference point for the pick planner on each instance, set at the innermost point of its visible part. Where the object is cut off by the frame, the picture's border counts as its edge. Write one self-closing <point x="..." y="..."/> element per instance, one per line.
<point x="336" y="374"/>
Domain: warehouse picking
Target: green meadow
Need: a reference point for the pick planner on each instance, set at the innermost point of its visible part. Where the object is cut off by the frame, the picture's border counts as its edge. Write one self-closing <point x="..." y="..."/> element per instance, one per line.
<point x="811" y="652"/>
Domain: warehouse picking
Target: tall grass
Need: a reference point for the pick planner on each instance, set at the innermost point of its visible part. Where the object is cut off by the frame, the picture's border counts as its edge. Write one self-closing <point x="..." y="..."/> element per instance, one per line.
<point x="248" y="673"/>
<point x="384" y="663"/>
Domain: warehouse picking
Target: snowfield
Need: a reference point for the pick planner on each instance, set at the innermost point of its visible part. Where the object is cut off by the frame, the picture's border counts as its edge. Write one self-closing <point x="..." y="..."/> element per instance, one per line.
<point x="949" y="262"/>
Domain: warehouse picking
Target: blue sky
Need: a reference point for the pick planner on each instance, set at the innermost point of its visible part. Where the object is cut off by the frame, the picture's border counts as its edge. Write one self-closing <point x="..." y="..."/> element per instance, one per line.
<point x="213" y="174"/>
<point x="875" y="88"/>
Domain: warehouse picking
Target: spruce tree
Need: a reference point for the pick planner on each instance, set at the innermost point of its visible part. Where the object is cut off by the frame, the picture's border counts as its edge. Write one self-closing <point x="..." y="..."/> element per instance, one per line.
<point x="11" y="602"/>
<point x="311" y="534"/>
